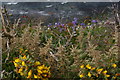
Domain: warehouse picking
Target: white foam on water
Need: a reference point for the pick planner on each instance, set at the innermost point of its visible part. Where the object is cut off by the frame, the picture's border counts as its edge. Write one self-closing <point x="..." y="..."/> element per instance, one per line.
<point x="49" y="6"/>
<point x="22" y="12"/>
<point x="41" y="12"/>
<point x="10" y="3"/>
<point x="64" y="2"/>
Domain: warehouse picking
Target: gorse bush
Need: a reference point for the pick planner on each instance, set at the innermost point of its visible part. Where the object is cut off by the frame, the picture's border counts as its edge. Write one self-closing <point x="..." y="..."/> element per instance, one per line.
<point x="28" y="68"/>
<point x="108" y="72"/>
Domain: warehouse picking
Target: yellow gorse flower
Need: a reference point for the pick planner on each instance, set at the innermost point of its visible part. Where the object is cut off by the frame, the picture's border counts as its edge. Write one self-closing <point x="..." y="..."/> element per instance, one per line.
<point x="26" y="50"/>
<point x="88" y="66"/>
<point x="40" y="67"/>
<point x="37" y="63"/>
<point x="81" y="75"/>
<point x="114" y="65"/>
<point x="17" y="60"/>
<point x="39" y="71"/>
<point x="21" y="50"/>
<point x="16" y="65"/>
<point x="89" y="74"/>
<point x="114" y="77"/>
<point x="107" y="75"/>
<point x="26" y="67"/>
<point x="20" y="70"/>
<point x="96" y="75"/>
<point x="104" y="72"/>
<point x="99" y="70"/>
<point x="21" y="73"/>
<point x="24" y="57"/>
<point x="29" y="74"/>
<point x="45" y="71"/>
<point x="93" y="68"/>
<point x="35" y="76"/>
<point x="23" y="63"/>
<point x="82" y="66"/>
<point x="44" y="75"/>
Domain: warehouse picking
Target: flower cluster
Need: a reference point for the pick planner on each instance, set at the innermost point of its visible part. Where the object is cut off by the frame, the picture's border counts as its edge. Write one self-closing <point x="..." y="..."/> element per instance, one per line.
<point x="89" y="72"/>
<point x="61" y="27"/>
<point x="28" y="68"/>
<point x="73" y="24"/>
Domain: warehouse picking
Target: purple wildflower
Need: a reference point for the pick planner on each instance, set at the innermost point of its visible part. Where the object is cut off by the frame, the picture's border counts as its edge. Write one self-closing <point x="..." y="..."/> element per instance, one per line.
<point x="55" y="26"/>
<point x="60" y="29"/>
<point x="94" y="21"/>
<point x="56" y="23"/>
<point x="73" y="28"/>
<point x="63" y="24"/>
<point x="74" y="22"/>
<point x="75" y="19"/>
<point x="82" y="24"/>
<point x="49" y="24"/>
